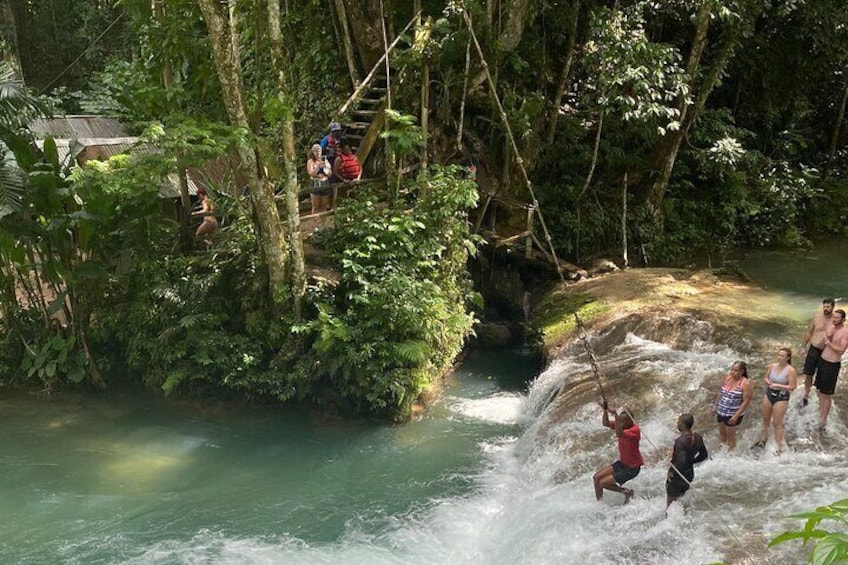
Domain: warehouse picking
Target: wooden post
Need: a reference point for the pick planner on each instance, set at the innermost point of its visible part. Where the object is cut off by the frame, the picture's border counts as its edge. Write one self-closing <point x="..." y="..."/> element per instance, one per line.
<point x="624" y="220"/>
<point x="482" y="215"/>
<point x="425" y="111"/>
<point x="528" y="243"/>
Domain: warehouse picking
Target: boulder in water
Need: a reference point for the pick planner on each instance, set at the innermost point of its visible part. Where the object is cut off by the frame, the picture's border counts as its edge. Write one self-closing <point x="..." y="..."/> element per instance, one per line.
<point x="494" y="334"/>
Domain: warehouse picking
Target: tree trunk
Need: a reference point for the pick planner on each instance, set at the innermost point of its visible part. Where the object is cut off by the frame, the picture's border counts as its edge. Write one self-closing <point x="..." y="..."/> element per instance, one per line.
<point x="594" y="163"/>
<point x="365" y="22"/>
<point x="12" y="55"/>
<point x="673" y="140"/>
<point x="837" y="129"/>
<point x="182" y="175"/>
<point x="298" y="272"/>
<point x="234" y="33"/>
<point x="425" y="112"/>
<point x="573" y="18"/>
<point x="261" y="194"/>
<point x="347" y="45"/>
<point x="518" y="14"/>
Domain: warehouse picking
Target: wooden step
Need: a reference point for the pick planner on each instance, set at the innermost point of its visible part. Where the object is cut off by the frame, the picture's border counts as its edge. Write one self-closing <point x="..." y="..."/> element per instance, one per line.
<point x="365" y="112"/>
<point x="357" y="125"/>
<point x="372" y="101"/>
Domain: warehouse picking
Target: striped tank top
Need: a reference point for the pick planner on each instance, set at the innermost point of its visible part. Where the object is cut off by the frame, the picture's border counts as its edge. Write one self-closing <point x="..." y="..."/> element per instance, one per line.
<point x="730" y="398"/>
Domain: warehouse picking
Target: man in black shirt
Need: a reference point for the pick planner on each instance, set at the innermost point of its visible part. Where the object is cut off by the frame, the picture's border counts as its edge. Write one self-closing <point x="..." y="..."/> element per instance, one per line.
<point x="689" y="449"/>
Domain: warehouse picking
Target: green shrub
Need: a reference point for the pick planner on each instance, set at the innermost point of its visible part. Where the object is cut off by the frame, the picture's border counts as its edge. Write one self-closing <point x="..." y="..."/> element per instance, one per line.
<point x="399" y="315"/>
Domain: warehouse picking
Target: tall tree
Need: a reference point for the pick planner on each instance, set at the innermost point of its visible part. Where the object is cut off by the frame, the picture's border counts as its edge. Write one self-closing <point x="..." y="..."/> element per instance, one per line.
<point x="286" y="126"/>
<point x="702" y="81"/>
<point x="261" y="192"/>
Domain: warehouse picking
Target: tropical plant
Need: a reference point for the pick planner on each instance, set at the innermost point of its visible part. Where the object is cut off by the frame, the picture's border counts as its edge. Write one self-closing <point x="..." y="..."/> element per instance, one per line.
<point x="399" y="315"/>
<point x="828" y="547"/>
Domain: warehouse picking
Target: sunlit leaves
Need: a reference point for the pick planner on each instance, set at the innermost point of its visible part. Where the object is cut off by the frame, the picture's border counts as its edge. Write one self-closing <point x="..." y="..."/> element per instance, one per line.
<point x="632" y="76"/>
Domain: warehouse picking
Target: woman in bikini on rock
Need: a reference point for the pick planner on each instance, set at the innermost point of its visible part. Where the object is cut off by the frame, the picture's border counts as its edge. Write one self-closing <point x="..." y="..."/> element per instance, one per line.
<point x="780" y="379"/>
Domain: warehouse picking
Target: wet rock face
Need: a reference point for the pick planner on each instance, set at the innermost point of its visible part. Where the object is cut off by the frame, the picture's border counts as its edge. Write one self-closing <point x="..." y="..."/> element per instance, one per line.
<point x="494" y="335"/>
<point x="679" y="330"/>
<point x="602" y="267"/>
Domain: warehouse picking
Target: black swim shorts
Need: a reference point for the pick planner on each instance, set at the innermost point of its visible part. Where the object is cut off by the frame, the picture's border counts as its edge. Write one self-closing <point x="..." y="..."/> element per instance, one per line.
<point x="726" y="420"/>
<point x="812" y="360"/>
<point x="775" y="395"/>
<point x="675" y="486"/>
<point x="622" y="473"/>
<point x="826" y="376"/>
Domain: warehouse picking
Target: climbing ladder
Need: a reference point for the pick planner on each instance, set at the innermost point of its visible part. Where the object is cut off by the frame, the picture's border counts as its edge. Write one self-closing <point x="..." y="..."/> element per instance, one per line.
<point x="367" y="118"/>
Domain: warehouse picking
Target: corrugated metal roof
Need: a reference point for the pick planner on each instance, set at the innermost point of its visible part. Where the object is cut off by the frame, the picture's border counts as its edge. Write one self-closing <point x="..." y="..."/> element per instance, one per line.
<point x="99" y="138"/>
<point x="76" y="126"/>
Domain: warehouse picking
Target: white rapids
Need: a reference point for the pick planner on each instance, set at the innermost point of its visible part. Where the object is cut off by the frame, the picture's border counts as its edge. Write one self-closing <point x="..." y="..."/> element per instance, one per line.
<point x="532" y="501"/>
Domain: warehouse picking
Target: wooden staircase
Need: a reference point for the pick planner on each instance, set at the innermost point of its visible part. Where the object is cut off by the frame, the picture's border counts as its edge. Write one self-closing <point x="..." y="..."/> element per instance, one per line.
<point x="367" y="118"/>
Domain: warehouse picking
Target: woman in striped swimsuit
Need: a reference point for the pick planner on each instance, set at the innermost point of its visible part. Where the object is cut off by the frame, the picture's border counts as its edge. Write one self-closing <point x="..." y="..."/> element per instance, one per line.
<point x="732" y="400"/>
<point x="780" y="379"/>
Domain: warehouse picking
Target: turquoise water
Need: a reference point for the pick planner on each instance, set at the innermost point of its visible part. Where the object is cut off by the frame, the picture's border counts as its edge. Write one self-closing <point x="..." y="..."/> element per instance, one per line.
<point x="491" y="474"/>
<point x="123" y="476"/>
<point x="815" y="273"/>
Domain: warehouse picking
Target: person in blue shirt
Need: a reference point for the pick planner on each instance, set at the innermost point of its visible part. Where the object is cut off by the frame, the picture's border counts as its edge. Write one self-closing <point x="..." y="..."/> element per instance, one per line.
<point x="331" y="143"/>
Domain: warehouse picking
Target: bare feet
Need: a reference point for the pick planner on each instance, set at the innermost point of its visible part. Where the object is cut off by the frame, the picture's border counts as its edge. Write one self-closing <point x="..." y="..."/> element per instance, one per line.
<point x="628" y="494"/>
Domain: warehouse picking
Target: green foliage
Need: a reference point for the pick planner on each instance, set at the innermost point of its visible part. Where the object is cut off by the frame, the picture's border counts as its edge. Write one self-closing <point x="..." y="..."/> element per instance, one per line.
<point x="53" y="358"/>
<point x="402" y="135"/>
<point x="829" y="547"/>
<point x="398" y="316"/>
<point x="632" y="76"/>
<point x="57" y="37"/>
<point x="197" y="326"/>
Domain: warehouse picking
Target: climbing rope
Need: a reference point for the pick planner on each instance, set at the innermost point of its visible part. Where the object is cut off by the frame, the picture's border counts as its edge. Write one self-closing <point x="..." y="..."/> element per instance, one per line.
<point x="594" y="363"/>
<point x="514" y="145"/>
<point x="592" y="360"/>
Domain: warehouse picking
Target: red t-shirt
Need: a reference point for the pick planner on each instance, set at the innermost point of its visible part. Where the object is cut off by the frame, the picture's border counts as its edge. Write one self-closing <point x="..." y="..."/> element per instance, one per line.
<point x="628" y="447"/>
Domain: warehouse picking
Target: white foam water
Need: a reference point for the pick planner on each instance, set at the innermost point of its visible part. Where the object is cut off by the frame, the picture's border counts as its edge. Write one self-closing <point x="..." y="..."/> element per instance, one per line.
<point x="532" y="501"/>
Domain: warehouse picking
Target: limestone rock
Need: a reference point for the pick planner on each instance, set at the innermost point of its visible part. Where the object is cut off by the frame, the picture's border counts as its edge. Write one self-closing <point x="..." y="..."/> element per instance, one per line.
<point x="601" y="267"/>
<point x="493" y="334"/>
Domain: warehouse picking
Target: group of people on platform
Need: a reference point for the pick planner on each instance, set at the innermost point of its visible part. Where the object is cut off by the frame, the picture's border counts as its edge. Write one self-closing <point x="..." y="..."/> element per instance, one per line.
<point x="329" y="162"/>
<point x="823" y="344"/>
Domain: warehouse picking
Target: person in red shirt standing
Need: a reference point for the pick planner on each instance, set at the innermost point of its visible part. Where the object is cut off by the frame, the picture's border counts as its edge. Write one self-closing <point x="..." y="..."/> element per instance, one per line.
<point x="629" y="458"/>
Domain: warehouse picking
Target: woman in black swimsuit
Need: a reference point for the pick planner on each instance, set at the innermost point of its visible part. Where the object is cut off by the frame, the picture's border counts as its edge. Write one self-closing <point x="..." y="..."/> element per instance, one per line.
<point x="780" y="379"/>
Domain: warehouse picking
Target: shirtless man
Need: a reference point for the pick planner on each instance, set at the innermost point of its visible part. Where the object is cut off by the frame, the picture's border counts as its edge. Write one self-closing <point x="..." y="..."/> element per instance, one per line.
<point x="630" y="459"/>
<point x="835" y="344"/>
<point x="814" y="336"/>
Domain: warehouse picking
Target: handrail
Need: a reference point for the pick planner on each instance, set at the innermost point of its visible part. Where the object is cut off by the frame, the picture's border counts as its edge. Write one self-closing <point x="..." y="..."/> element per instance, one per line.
<point x="511" y="201"/>
<point x="346" y="106"/>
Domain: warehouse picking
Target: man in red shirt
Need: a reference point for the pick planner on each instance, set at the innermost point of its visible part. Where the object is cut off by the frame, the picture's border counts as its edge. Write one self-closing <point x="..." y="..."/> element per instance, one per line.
<point x="629" y="458"/>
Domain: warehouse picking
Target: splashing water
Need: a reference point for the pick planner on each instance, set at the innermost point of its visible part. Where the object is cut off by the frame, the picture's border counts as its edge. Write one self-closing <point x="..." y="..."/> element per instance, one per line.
<point x="489" y="476"/>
